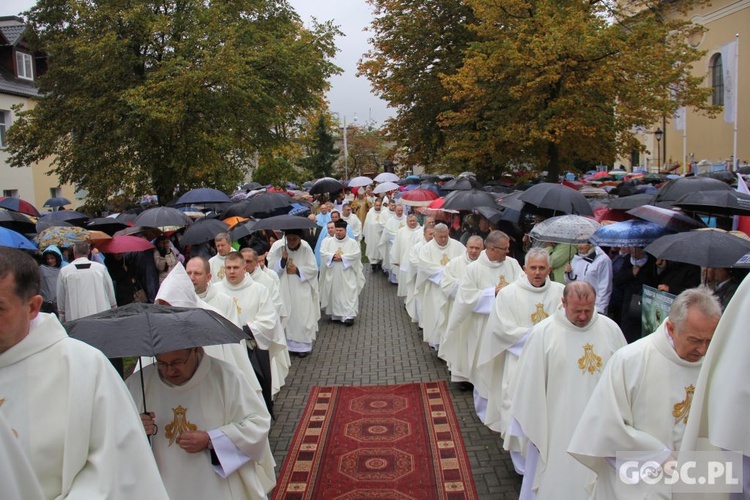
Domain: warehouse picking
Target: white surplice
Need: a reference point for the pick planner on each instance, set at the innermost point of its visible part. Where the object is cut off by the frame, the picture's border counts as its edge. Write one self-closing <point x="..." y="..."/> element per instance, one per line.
<point x="454" y="271"/>
<point x="355" y="225"/>
<point x="516" y="309"/>
<point x="371" y="231"/>
<point x="217" y="263"/>
<point x="218" y="400"/>
<point x="432" y="260"/>
<point x="343" y="280"/>
<point x="271" y="281"/>
<point x="74" y="418"/>
<point x="413" y="307"/>
<point x="84" y="288"/>
<point x="16" y="475"/>
<point x="557" y="373"/>
<point x="641" y="404"/>
<point x="400" y="256"/>
<point x="387" y="239"/>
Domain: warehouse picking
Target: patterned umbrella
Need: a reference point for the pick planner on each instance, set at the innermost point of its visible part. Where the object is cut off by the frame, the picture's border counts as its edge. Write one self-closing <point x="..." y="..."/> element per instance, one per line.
<point x="629" y="233"/>
<point x="62" y="236"/>
<point x="18" y="205"/>
<point x="573" y="229"/>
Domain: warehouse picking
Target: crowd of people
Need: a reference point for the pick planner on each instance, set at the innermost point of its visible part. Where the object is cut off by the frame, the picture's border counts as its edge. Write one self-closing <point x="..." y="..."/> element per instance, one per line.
<point x="543" y="335"/>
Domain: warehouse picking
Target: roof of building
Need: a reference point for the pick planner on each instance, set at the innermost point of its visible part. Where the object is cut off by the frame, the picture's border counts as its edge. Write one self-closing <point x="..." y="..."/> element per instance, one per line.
<point x="11" y="28"/>
<point x="9" y="84"/>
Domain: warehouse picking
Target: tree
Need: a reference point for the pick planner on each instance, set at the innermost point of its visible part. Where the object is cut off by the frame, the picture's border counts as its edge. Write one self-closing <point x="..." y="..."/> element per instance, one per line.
<point x="415" y="43"/>
<point x="159" y="95"/>
<point x="279" y="171"/>
<point x="321" y="150"/>
<point x="366" y="147"/>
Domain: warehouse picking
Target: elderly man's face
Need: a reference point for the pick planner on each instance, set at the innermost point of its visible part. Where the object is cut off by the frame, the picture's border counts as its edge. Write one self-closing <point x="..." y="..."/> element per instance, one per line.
<point x="579" y="311"/>
<point x="537" y="271"/>
<point x="399" y="210"/>
<point x="691" y="339"/>
<point x="177" y="367"/>
<point x="584" y="248"/>
<point x="442" y="237"/>
<point x="196" y="271"/>
<point x="234" y="270"/>
<point x="412" y="222"/>
<point x="251" y="262"/>
<point x="474" y="248"/>
<point x="223" y="247"/>
<point x="497" y="252"/>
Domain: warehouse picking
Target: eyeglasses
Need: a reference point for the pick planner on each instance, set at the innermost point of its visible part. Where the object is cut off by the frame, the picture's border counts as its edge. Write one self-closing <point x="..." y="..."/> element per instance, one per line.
<point x="178" y="363"/>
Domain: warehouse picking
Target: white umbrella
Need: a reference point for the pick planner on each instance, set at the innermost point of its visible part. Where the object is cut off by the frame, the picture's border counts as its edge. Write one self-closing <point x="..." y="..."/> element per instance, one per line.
<point x="359" y="182"/>
<point x="385" y="187"/>
<point x="572" y="229"/>
<point x="386" y="177"/>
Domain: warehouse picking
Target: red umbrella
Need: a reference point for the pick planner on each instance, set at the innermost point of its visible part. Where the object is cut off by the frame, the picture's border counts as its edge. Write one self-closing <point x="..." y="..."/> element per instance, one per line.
<point x="125" y="244"/>
<point x="18" y="205"/>
<point x="605" y="213"/>
<point x="418" y="197"/>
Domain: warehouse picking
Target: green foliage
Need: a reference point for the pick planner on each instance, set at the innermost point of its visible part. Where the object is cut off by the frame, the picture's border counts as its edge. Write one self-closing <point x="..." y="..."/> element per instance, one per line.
<point x="322" y="150"/>
<point x="279" y="171"/>
<point x="159" y="95"/>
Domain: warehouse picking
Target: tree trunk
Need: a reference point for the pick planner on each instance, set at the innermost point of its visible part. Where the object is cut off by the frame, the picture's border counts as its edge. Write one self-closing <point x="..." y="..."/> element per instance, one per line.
<point x="553" y="168"/>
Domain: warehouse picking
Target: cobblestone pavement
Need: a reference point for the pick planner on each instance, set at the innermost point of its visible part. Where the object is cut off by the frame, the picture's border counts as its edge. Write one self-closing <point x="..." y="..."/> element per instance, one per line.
<point x="383" y="347"/>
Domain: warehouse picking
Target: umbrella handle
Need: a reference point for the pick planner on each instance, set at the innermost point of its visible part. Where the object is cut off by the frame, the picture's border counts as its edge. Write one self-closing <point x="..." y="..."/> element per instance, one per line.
<point x="143" y="391"/>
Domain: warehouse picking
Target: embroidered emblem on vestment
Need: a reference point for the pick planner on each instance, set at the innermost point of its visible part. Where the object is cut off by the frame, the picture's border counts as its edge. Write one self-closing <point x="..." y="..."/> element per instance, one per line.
<point x="590" y="362"/>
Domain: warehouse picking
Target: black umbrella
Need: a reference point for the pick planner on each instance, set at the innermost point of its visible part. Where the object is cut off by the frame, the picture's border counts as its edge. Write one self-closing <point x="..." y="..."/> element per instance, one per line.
<point x="630" y="202"/>
<point x="57" y="201"/>
<point x="75" y="218"/>
<point x="125" y="217"/>
<point x="716" y="202"/>
<point x="702" y="247"/>
<point x="461" y="184"/>
<point x="203" y="195"/>
<point x="667" y="218"/>
<point x="251" y="186"/>
<point x="284" y="223"/>
<point x="203" y="231"/>
<point x="16" y="221"/>
<point x="162" y="217"/>
<point x="557" y="198"/>
<point x="469" y="200"/>
<point x="107" y="225"/>
<point x="261" y="203"/>
<point x="326" y="185"/>
<point x="42" y="225"/>
<point x="677" y="188"/>
<point x="242" y="230"/>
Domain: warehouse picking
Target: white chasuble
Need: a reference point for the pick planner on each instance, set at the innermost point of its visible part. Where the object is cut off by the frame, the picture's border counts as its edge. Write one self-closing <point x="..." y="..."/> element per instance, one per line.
<point x="468" y="317"/>
<point x="73" y="418"/>
<point x="432" y="260"/>
<point x="271" y="281"/>
<point x="216" y="263"/>
<point x="343" y="280"/>
<point x="557" y="373"/>
<point x="218" y="400"/>
<point x="355" y="225"/>
<point x="16" y="475"/>
<point x="454" y="271"/>
<point x="517" y="308"/>
<point x="641" y="404"/>
<point x="388" y="238"/>
<point x="413" y="307"/>
<point x="371" y="231"/>
<point x="400" y="256"/>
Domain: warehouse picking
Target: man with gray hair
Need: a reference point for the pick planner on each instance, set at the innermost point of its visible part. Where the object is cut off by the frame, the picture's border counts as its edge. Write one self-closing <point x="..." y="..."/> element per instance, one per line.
<point x="557" y="372"/>
<point x="432" y="259"/>
<point x="223" y="244"/>
<point x="83" y="287"/>
<point x="642" y="402"/>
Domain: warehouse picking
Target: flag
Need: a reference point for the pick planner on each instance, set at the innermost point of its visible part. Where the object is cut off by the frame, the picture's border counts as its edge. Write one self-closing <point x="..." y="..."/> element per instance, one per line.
<point x="729" y="63"/>
<point x="741" y="222"/>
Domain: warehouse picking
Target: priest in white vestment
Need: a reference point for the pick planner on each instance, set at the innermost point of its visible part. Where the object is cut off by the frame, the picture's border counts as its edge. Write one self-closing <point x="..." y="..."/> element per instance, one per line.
<point x="484" y="278"/>
<point x="388" y="238"/>
<point x="371" y="231"/>
<point x="293" y="260"/>
<point x="643" y="400"/>
<point x="16" y="475"/>
<point x="68" y="411"/>
<point x="413" y="306"/>
<point x="558" y="370"/>
<point x="257" y="310"/>
<point x="454" y="272"/>
<point x="354" y="224"/>
<point x="343" y="279"/>
<point x="208" y="427"/>
<point x="199" y="271"/>
<point x="223" y="244"/>
<point x="527" y="301"/>
<point x="400" y="252"/>
<point x="432" y="259"/>
<point x="83" y="287"/>
<point x="270" y="280"/>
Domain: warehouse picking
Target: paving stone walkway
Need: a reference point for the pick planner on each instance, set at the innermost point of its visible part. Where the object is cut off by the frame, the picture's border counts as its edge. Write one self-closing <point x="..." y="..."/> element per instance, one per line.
<point x="383" y="347"/>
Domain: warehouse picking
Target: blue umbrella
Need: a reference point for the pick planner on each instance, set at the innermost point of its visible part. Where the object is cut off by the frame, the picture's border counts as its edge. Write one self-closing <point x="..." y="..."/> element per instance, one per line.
<point x="9" y="238"/>
<point x="57" y="201"/>
<point x="629" y="233"/>
<point x="64" y="216"/>
<point x="203" y="195"/>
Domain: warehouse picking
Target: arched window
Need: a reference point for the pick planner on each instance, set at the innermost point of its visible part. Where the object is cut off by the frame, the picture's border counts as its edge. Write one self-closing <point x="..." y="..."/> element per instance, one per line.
<point x="717" y="81"/>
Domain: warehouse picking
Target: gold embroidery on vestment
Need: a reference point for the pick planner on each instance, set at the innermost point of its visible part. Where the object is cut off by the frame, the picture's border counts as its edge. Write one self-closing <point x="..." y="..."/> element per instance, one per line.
<point x="178" y="425"/>
<point x="222" y="273"/>
<point x="237" y="306"/>
<point x="444" y="261"/>
<point x="590" y="362"/>
<point x="339" y="252"/>
<point x="539" y="314"/>
<point x="681" y="410"/>
<point x="501" y="281"/>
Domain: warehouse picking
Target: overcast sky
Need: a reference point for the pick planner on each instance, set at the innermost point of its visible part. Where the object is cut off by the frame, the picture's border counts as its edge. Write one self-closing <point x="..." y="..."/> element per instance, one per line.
<point x="349" y="96"/>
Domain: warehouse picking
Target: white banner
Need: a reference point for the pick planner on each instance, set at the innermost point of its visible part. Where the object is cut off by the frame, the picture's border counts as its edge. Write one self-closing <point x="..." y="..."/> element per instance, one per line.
<point x="728" y="62"/>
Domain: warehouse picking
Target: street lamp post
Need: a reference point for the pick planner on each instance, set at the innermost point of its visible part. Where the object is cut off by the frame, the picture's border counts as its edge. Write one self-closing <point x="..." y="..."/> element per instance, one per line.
<point x="346" y="149"/>
<point x="658" y="134"/>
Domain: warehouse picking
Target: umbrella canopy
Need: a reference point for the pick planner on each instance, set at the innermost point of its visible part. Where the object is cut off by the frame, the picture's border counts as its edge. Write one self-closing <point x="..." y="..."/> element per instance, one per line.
<point x="512" y="201"/>
<point x="10" y="238"/>
<point x="572" y="229"/>
<point x="284" y="223"/>
<point x="71" y="216"/>
<point x="326" y="185"/>
<point x="702" y="247"/>
<point x="461" y="184"/>
<point x="106" y="224"/>
<point x="96" y="237"/>
<point x="203" y="195"/>
<point x="18" y="205"/>
<point x="251" y="186"/>
<point x="629" y="202"/>
<point x="162" y="217"/>
<point x="17" y="221"/>
<point x="418" y="197"/>
<point x="603" y="213"/>
<point x="557" y="198"/>
<point x="629" y="233"/>
<point x="716" y="202"/>
<point x="125" y="244"/>
<point x="203" y="231"/>
<point x="261" y="203"/>
<point x="386" y="177"/>
<point x="148" y="232"/>
<point x="242" y="229"/>
<point x="385" y="187"/>
<point x="360" y="181"/>
<point x="42" y="225"/>
<point x="62" y="236"/>
<point x="57" y="201"/>
<point x="233" y="221"/>
<point x="148" y="330"/>
<point x="469" y="200"/>
<point x="670" y="219"/>
<point x="677" y="188"/>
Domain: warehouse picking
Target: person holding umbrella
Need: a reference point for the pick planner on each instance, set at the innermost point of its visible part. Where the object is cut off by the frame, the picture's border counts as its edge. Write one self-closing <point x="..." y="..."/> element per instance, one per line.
<point x="65" y="393"/>
<point x="593" y="266"/>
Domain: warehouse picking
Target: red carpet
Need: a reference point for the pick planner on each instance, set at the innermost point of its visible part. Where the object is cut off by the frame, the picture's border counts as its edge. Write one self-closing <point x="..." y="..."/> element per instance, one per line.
<point x="377" y="442"/>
